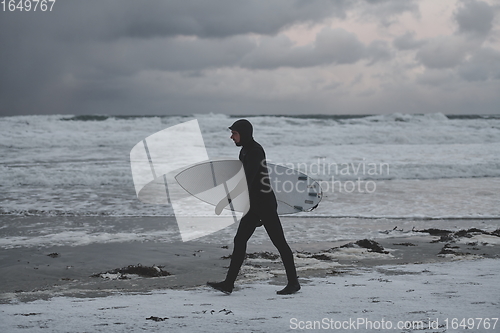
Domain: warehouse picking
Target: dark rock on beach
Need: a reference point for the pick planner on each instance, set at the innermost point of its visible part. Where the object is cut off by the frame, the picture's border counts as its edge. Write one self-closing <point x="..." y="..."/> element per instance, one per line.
<point x="448" y="249"/>
<point x="434" y="231"/>
<point x="153" y="271"/>
<point x="154" y="318"/>
<point x="371" y="245"/>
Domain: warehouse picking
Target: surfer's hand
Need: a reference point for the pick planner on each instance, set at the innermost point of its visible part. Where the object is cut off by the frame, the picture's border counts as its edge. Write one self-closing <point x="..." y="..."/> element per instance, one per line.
<point x="223" y="203"/>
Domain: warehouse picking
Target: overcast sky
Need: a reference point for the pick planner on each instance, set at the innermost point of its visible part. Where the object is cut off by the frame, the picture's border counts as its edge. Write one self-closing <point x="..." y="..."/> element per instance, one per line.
<point x="129" y="57"/>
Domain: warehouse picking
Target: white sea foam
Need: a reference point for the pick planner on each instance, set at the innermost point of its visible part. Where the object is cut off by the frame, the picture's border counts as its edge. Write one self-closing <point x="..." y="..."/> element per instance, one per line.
<point x="48" y="150"/>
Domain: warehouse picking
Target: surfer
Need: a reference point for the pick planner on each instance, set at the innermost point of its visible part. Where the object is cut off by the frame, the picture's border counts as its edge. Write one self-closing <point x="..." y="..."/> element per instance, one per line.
<point x="263" y="211"/>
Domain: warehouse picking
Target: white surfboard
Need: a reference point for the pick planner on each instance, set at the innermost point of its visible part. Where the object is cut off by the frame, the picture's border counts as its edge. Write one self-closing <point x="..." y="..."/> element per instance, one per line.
<point x="294" y="190"/>
<point x="212" y="181"/>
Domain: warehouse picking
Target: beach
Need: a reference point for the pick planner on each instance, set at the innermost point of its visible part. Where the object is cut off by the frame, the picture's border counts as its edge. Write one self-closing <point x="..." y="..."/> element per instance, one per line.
<point x="406" y="231"/>
<point x="413" y="276"/>
<point x="137" y="140"/>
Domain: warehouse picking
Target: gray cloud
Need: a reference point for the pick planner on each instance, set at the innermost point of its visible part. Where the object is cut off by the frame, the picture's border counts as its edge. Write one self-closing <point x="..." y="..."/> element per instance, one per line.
<point x="125" y="57"/>
<point x="436" y="77"/>
<point x="332" y="46"/>
<point x="76" y="20"/>
<point x="378" y="51"/>
<point x="474" y="20"/>
<point x="390" y="7"/>
<point x="475" y="17"/>
<point x="52" y="55"/>
<point x="339" y="46"/>
<point x="385" y="11"/>
<point x="130" y="57"/>
<point x="444" y="51"/>
<point x="483" y="65"/>
<point x="407" y="42"/>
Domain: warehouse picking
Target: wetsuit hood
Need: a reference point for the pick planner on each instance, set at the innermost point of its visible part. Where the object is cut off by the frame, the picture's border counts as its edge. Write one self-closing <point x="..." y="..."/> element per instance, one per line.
<point x="245" y="129"/>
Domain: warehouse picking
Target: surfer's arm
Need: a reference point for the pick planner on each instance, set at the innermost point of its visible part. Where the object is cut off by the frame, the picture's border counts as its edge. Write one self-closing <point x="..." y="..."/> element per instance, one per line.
<point x="239" y="189"/>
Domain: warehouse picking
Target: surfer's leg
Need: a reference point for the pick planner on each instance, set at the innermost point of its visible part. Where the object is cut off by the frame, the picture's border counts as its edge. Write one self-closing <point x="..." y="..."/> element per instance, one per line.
<point x="275" y="231"/>
<point x="245" y="231"/>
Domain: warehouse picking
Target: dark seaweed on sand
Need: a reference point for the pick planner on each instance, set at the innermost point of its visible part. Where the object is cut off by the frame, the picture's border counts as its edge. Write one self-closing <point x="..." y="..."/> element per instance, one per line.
<point x="322" y="256"/>
<point x="154" y="318"/>
<point x="371" y="245"/>
<point x="448" y="249"/>
<point x="450" y="236"/>
<point x="257" y="255"/>
<point x="434" y="231"/>
<point x="144" y="271"/>
<point x="263" y="255"/>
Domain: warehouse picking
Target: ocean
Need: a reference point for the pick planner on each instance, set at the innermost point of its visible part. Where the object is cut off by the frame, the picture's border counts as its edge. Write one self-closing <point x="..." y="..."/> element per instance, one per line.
<point x="56" y="171"/>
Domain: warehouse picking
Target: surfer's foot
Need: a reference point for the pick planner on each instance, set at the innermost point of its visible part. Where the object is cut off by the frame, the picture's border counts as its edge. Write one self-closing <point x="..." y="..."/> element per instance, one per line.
<point x="225" y="287"/>
<point x="290" y="288"/>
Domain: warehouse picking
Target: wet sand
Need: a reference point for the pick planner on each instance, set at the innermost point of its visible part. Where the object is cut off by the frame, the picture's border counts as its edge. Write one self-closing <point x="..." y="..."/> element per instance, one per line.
<point x="41" y="273"/>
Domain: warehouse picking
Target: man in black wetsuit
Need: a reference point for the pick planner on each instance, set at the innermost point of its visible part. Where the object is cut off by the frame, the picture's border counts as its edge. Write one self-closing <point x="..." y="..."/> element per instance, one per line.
<point x="263" y="211"/>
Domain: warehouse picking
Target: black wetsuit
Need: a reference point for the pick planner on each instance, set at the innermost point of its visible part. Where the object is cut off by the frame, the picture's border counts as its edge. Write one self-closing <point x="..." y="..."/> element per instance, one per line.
<point x="263" y="206"/>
